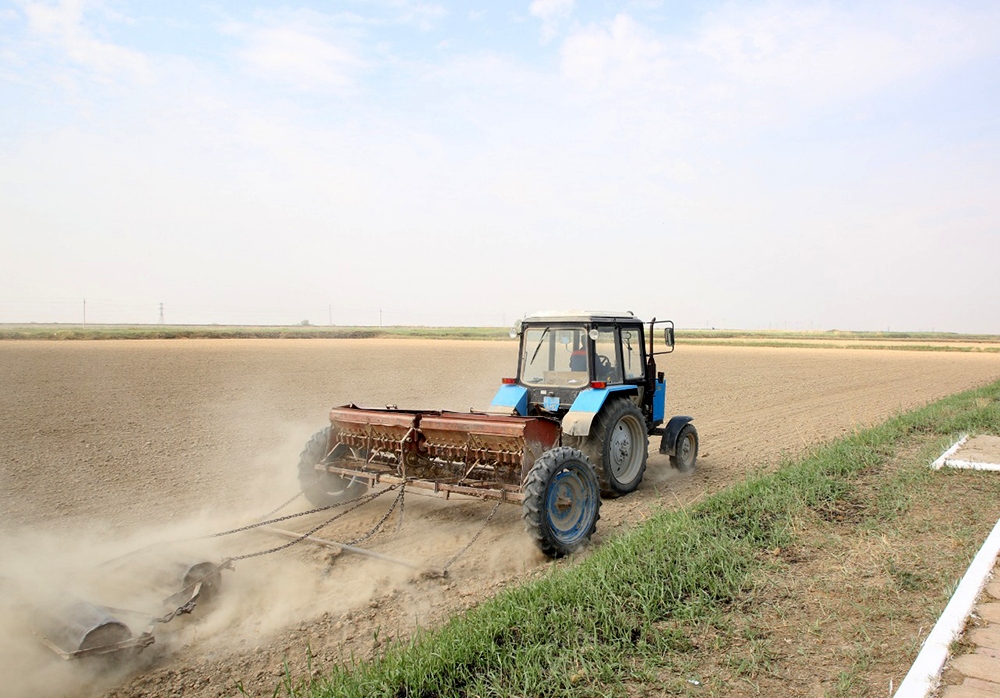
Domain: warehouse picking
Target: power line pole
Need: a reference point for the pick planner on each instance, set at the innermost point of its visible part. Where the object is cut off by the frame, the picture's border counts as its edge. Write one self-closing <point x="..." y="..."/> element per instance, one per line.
<point x="84" y="312"/>
<point x="161" y="313"/>
<point x="330" y="308"/>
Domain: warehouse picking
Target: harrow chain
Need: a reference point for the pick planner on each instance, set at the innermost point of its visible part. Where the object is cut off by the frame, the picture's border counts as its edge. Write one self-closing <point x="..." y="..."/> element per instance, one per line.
<point x="363" y="499"/>
<point x="468" y="545"/>
<point x="399" y="500"/>
<point x="289" y="500"/>
<point x="358" y="502"/>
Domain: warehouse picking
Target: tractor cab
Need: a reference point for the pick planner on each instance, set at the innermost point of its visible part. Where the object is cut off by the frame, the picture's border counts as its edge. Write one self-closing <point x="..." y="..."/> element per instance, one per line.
<point x="572" y="356"/>
<point x="595" y="373"/>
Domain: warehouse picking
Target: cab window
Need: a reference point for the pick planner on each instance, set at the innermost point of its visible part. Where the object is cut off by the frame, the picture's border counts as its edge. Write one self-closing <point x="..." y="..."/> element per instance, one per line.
<point x="632" y="354"/>
<point x="555" y="356"/>
<point x="605" y="347"/>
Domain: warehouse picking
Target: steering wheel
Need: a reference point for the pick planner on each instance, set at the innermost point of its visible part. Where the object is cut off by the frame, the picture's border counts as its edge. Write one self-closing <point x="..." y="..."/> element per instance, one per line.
<point x="604" y="368"/>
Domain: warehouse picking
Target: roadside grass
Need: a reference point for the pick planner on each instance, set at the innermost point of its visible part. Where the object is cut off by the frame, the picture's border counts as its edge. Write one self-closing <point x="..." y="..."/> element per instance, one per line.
<point x="819" y="578"/>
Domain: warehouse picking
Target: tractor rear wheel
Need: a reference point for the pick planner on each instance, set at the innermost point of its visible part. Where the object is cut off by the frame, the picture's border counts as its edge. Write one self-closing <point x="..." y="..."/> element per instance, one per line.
<point x="686" y="450"/>
<point x="618" y="445"/>
<point x="562" y="501"/>
<point x="320" y="487"/>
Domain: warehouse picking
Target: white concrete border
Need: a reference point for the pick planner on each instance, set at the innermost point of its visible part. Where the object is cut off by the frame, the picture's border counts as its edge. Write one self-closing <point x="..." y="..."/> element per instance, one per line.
<point x="924" y="674"/>
<point x="951" y="451"/>
<point x="971" y="465"/>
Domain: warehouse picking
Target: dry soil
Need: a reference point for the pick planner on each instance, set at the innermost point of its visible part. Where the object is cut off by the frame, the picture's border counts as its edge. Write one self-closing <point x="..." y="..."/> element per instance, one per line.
<point x="113" y="446"/>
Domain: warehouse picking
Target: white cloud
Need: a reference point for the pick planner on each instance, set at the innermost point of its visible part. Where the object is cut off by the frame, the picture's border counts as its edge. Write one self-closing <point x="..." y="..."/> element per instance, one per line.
<point x="617" y="54"/>
<point x="752" y="64"/>
<point x="552" y="13"/>
<point x="775" y="63"/>
<point x="421" y="15"/>
<point x="63" y="24"/>
<point x="301" y="55"/>
<point x="548" y="9"/>
<point x="823" y="50"/>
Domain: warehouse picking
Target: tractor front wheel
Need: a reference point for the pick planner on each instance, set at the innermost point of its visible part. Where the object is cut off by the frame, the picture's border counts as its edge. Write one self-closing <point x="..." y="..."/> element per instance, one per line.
<point x="320" y="487"/>
<point x="562" y="501"/>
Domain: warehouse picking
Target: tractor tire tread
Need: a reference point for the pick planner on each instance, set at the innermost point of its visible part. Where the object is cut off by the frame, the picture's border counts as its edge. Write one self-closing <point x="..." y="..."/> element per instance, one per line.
<point x="688" y="430"/>
<point x="594" y="445"/>
<point x="533" y="508"/>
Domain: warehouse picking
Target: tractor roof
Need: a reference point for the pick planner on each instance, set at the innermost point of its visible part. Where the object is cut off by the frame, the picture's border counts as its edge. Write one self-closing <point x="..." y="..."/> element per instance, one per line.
<point x="582" y="316"/>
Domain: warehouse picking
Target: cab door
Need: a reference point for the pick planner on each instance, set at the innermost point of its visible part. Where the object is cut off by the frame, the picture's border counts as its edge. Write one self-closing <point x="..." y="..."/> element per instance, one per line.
<point x="607" y="355"/>
<point x="633" y="355"/>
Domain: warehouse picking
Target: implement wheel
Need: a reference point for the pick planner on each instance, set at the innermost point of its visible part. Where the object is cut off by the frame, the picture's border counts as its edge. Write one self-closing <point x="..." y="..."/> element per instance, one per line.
<point x="618" y="445"/>
<point x="562" y="501"/>
<point x="322" y="488"/>
<point x="209" y="575"/>
<point x="686" y="450"/>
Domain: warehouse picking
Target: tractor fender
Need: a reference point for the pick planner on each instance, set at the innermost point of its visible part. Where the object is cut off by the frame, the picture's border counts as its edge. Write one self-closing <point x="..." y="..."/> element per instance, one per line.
<point x="668" y="443"/>
<point x="510" y="399"/>
<point x="586" y="406"/>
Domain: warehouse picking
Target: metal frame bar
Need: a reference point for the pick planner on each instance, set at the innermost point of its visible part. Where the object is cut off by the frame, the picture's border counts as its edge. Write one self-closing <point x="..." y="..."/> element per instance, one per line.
<point x="343" y="546"/>
<point x="494" y="490"/>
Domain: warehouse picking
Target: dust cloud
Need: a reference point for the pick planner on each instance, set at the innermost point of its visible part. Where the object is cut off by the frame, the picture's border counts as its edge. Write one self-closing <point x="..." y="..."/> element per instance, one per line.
<point x="55" y="587"/>
<point x="55" y="584"/>
<point x="47" y="573"/>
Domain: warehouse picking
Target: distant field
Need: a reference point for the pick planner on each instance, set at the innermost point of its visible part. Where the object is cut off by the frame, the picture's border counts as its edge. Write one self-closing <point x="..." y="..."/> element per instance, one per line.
<point x="844" y="339"/>
<point x="61" y="332"/>
<point x="831" y="339"/>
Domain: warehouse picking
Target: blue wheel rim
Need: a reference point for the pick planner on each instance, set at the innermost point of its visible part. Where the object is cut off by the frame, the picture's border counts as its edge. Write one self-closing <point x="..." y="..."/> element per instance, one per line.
<point x="569" y="505"/>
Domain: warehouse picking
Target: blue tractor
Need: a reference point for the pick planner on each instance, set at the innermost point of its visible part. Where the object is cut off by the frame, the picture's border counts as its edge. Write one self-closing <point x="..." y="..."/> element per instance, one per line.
<point x="572" y="426"/>
<point x="595" y="372"/>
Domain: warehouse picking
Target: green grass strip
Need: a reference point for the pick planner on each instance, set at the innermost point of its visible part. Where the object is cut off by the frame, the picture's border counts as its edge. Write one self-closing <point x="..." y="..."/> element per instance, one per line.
<point x="619" y="615"/>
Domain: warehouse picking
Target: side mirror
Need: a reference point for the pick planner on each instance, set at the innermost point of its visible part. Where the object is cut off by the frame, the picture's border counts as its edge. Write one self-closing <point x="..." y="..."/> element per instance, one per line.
<point x="668" y="336"/>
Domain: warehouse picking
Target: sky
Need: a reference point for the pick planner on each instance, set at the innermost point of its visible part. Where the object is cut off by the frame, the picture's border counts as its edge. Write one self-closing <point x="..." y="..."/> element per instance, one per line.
<point x="760" y="165"/>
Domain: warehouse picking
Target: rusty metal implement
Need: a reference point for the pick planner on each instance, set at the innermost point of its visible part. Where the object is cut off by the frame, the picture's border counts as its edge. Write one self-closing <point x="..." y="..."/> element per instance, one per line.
<point x="483" y="455"/>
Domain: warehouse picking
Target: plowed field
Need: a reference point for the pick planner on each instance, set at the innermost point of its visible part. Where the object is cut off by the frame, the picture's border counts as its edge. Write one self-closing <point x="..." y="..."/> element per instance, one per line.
<point x="108" y="446"/>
